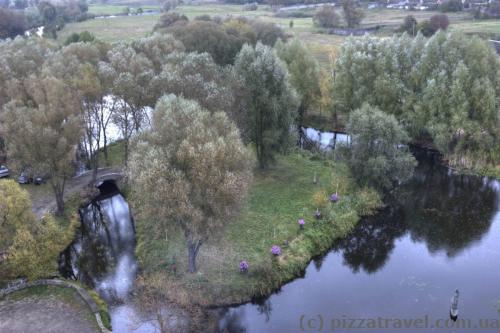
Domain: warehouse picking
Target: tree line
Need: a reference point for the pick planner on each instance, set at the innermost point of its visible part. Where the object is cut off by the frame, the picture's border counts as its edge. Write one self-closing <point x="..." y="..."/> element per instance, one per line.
<point x="444" y="90"/>
<point x="29" y="15"/>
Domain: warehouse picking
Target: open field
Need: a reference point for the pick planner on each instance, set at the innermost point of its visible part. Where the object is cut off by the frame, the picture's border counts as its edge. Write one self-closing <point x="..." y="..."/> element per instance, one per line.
<point x="125" y="28"/>
<point x="482" y="28"/>
<point x="122" y="28"/>
<point x="99" y="10"/>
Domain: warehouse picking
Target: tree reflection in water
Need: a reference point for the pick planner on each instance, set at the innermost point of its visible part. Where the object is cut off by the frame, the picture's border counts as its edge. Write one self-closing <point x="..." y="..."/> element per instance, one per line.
<point x="448" y="212"/>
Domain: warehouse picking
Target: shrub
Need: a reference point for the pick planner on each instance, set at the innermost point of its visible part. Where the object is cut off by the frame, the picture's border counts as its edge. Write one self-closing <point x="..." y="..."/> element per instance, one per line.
<point x="326" y="17"/>
<point x="250" y="6"/>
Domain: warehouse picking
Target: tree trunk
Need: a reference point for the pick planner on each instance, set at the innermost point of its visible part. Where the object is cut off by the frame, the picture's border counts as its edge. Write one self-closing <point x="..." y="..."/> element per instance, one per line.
<point x="193" y="248"/>
<point x="105" y="146"/>
<point x="59" y="194"/>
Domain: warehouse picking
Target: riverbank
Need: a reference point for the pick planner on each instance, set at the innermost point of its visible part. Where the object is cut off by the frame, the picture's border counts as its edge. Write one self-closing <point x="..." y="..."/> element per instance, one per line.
<point x="278" y="198"/>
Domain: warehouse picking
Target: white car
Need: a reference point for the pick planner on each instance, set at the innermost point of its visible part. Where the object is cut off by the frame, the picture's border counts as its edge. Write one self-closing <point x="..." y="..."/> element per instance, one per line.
<point x="4" y="172"/>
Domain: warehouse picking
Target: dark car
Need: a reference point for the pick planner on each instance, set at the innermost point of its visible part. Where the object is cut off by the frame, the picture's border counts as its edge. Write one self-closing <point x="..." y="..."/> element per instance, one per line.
<point x="4" y="172"/>
<point x="26" y="177"/>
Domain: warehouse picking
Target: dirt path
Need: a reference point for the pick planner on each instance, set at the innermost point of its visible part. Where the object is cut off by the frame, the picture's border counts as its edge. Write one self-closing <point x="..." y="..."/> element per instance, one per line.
<point x="46" y="314"/>
<point x="43" y="198"/>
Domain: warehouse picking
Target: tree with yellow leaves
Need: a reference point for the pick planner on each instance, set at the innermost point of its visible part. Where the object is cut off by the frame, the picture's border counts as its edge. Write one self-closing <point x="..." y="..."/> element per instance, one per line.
<point x="29" y="248"/>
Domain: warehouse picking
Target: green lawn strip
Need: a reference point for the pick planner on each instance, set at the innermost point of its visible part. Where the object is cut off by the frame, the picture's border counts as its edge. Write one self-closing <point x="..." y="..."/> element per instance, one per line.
<point x="277" y="199"/>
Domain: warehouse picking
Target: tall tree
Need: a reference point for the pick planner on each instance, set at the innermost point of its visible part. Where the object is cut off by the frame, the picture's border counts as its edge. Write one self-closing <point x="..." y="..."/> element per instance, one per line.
<point x="133" y="75"/>
<point x="12" y="23"/>
<point x="304" y="74"/>
<point x="272" y="102"/>
<point x="353" y="14"/>
<point x="191" y="169"/>
<point x="78" y="64"/>
<point x="378" y="155"/>
<point x="50" y="123"/>
<point x="326" y="17"/>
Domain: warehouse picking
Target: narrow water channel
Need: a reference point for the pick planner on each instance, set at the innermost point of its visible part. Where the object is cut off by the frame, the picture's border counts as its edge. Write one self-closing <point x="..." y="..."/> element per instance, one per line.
<point x="102" y="255"/>
<point x="440" y="232"/>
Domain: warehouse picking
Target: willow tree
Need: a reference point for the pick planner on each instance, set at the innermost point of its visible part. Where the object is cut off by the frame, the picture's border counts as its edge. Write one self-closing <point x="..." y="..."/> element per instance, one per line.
<point x="43" y="130"/>
<point x="191" y="170"/>
<point x="379" y="156"/>
<point x="271" y="101"/>
<point x="304" y="74"/>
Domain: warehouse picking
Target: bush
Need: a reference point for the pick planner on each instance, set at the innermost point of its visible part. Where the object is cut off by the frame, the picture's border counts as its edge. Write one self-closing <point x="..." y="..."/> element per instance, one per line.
<point x="451" y="6"/>
<point x="326" y="17"/>
<point x="250" y="6"/>
<point x="294" y="14"/>
<point x="410" y="25"/>
<point x="84" y="36"/>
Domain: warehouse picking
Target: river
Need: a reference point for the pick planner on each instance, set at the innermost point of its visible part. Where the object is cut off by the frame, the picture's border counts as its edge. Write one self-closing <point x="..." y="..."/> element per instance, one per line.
<point x="440" y="232"/>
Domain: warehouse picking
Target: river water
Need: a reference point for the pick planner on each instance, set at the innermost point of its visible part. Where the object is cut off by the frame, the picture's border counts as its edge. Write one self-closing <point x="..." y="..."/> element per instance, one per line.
<point x="439" y="232"/>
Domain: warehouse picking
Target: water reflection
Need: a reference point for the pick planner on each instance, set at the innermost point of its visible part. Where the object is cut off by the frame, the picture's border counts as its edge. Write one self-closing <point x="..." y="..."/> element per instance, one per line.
<point x="368" y="247"/>
<point x="447" y="212"/>
<point x="102" y="255"/>
<point x="439" y="232"/>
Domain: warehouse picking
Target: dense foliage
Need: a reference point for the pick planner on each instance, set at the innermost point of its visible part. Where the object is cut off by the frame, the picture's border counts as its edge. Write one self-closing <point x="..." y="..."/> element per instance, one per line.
<point x="304" y="74"/>
<point x="28" y="247"/>
<point x="271" y="100"/>
<point x="12" y="23"/>
<point x="378" y="156"/>
<point x="222" y="39"/>
<point x="191" y="169"/>
<point x="445" y="89"/>
<point x="326" y="17"/>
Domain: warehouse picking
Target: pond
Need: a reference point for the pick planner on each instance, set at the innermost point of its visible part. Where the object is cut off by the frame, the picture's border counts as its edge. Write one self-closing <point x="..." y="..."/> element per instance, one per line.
<point x="440" y="233"/>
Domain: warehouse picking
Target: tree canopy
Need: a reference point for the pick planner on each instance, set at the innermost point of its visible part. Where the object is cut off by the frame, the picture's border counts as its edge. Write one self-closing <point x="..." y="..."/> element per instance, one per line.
<point x="190" y="170"/>
<point x="379" y="156"/>
<point x="271" y="101"/>
<point x="445" y="89"/>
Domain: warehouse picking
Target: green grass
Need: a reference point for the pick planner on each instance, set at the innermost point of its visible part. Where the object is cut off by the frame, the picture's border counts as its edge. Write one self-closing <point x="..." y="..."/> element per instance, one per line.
<point x="488" y="28"/>
<point x="116" y="154"/>
<point x="277" y="199"/>
<point x="123" y="28"/>
<point x="63" y="294"/>
<point x="101" y="9"/>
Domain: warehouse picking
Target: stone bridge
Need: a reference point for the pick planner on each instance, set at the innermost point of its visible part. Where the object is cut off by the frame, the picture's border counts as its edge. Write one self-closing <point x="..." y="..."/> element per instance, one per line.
<point x="108" y="174"/>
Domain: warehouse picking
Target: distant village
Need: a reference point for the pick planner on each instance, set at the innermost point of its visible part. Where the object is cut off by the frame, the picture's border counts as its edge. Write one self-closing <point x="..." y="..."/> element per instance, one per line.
<point x="426" y="4"/>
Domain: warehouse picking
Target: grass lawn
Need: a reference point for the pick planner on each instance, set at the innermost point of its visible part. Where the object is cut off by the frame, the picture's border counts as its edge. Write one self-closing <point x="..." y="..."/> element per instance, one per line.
<point x="277" y="199"/>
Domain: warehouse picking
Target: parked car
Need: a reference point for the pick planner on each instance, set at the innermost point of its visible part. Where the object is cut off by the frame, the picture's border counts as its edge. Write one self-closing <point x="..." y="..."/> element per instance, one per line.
<point x="26" y="177"/>
<point x="4" y="172"/>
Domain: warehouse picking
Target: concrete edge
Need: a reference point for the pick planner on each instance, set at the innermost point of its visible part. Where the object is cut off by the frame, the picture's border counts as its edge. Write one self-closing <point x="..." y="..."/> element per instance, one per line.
<point x="23" y="284"/>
